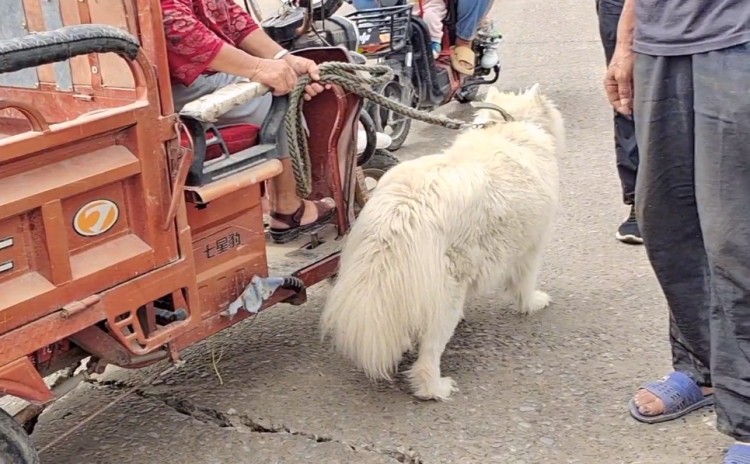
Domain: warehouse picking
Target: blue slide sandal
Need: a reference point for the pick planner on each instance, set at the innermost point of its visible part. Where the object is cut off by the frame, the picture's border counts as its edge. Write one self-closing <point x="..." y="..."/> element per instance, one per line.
<point x="737" y="454"/>
<point x="680" y="395"/>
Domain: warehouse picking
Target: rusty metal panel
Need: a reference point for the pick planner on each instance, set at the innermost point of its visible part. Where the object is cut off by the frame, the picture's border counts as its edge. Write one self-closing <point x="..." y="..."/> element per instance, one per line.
<point x="114" y="71"/>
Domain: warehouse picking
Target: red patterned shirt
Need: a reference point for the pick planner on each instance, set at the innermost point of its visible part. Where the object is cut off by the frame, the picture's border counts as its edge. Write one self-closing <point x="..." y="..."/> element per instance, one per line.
<point x="197" y="29"/>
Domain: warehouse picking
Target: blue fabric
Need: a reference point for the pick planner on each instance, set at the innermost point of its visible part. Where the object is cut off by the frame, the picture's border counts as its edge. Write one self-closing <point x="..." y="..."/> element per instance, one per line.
<point x="737" y="454"/>
<point x="366" y="4"/>
<point x="469" y="15"/>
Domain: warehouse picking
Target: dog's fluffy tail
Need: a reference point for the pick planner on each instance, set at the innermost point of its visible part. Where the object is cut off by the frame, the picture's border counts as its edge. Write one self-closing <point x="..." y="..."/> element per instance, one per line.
<point x="390" y="283"/>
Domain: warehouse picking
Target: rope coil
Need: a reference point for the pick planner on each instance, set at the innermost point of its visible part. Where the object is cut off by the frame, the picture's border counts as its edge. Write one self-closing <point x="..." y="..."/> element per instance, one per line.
<point x="343" y="75"/>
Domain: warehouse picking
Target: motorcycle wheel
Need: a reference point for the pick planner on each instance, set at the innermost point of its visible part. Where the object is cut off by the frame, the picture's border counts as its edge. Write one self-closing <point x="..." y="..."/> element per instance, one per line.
<point x="395" y="125"/>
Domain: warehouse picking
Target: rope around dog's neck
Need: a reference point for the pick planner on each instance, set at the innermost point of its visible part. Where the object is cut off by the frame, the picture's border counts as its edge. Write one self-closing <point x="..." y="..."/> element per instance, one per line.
<point x="342" y="74"/>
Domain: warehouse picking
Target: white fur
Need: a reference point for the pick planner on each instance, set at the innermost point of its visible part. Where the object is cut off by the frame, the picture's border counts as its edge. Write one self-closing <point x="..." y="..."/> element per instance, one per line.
<point x="441" y="228"/>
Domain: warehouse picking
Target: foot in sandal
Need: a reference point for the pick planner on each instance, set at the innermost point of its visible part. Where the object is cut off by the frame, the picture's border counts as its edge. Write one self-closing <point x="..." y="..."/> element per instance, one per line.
<point x="669" y="398"/>
<point x="286" y="227"/>
<point x="463" y="58"/>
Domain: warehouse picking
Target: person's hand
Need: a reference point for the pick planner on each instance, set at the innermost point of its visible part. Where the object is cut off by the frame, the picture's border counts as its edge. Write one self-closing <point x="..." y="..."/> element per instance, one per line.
<point x="618" y="81"/>
<point x="276" y="74"/>
<point x="304" y="66"/>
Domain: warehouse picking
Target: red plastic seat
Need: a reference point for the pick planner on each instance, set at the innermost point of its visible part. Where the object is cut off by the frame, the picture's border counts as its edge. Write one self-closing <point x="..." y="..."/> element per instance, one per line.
<point x="237" y="137"/>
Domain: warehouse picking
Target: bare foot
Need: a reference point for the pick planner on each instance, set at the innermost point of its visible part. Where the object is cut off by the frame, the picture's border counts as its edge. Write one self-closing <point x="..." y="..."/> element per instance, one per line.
<point x="650" y="405"/>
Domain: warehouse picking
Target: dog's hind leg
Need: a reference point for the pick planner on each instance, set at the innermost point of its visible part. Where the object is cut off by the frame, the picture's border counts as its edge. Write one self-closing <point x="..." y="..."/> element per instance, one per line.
<point x="424" y="374"/>
<point x="522" y="283"/>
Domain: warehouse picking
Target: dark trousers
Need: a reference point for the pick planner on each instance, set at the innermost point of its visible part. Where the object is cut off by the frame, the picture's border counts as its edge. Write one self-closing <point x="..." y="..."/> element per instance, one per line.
<point x="692" y="118"/>
<point x="626" y="148"/>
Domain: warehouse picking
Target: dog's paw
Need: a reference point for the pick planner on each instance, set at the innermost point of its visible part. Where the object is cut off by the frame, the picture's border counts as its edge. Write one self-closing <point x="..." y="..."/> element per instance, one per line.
<point x="440" y="389"/>
<point x="538" y="301"/>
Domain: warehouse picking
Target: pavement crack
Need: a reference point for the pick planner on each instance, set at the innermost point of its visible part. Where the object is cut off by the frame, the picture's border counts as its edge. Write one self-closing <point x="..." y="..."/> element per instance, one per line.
<point x="234" y="420"/>
<point x="242" y="422"/>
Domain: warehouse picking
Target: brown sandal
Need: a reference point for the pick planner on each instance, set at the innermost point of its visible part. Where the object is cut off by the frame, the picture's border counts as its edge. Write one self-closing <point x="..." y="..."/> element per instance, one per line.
<point x="463" y="59"/>
<point x="295" y="229"/>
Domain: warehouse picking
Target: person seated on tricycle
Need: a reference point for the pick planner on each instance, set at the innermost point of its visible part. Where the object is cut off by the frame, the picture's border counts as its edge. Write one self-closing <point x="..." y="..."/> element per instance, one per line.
<point x="215" y="43"/>
<point x="469" y="16"/>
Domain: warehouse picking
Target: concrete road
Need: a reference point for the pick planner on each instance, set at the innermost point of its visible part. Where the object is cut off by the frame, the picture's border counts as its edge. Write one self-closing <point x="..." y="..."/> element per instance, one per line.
<point x="547" y="389"/>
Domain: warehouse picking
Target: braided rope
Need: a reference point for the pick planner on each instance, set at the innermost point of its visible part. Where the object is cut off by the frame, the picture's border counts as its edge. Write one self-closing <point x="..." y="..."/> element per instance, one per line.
<point x="342" y="74"/>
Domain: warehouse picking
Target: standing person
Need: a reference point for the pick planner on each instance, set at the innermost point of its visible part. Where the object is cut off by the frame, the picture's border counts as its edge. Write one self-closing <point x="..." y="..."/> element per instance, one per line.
<point x="683" y="67"/>
<point x="626" y="148"/>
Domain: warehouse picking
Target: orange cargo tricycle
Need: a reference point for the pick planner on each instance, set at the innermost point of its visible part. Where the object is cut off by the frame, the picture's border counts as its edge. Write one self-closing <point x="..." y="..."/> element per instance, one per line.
<point x="122" y="239"/>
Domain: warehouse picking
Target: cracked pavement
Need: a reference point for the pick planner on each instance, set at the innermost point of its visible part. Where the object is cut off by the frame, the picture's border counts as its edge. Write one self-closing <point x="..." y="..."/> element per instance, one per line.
<point x="550" y="388"/>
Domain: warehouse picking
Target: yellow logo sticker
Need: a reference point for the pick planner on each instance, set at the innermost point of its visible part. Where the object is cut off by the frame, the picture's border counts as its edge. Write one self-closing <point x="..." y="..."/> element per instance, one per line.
<point x="96" y="217"/>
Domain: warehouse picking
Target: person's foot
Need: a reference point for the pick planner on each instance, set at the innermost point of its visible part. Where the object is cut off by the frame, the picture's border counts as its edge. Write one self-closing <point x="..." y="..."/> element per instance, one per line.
<point x="629" y="232"/>
<point x="651" y="405"/>
<point x="463" y="58"/>
<point x="437" y="47"/>
<point x="669" y="398"/>
<point x="288" y="225"/>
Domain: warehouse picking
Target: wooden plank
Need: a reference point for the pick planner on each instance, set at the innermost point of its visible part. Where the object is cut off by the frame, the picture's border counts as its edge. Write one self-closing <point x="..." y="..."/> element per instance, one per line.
<point x="66" y="178"/>
<point x="35" y="23"/>
<point x="29" y="143"/>
<point x="80" y="67"/>
<point x="56" y="236"/>
<point x="113" y="69"/>
<point x="53" y="20"/>
<point x="84" y="14"/>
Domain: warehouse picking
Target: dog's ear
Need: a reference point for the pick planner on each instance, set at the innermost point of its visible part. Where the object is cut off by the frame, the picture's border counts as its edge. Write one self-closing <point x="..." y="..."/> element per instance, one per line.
<point x="492" y="93"/>
<point x="535" y="94"/>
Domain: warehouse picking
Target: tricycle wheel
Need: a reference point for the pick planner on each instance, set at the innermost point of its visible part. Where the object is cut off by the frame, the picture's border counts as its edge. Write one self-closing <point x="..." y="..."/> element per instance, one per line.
<point x="380" y="162"/>
<point x="15" y="445"/>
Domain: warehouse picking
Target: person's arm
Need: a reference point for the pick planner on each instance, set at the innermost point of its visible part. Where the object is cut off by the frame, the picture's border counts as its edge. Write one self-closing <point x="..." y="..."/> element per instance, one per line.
<point x="192" y="48"/>
<point x="247" y="35"/>
<point x="618" y="81"/>
<point x="626" y="25"/>
<point x="257" y="43"/>
<point x="251" y="39"/>
<point x="254" y="41"/>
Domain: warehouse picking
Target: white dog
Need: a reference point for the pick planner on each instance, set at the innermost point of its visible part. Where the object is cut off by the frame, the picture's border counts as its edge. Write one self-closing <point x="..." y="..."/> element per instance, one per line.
<point x="444" y="227"/>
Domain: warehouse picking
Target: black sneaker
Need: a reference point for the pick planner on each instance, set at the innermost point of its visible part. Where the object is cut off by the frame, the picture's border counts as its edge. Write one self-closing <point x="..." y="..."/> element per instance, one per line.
<point x="628" y="232"/>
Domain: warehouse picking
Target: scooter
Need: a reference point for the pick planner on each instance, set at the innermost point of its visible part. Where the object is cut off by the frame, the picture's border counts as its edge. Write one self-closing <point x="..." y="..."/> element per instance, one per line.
<point x="393" y="35"/>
